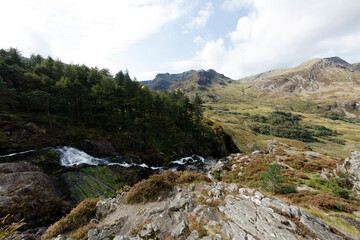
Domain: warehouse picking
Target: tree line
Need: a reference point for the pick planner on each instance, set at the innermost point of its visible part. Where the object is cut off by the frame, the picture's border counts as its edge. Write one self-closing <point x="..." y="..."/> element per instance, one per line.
<point x="77" y="95"/>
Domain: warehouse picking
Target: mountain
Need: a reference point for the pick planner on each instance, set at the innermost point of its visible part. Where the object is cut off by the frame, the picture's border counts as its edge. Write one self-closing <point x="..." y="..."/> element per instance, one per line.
<point x="315" y="75"/>
<point x="201" y="82"/>
<point x="187" y="81"/>
<point x="163" y="81"/>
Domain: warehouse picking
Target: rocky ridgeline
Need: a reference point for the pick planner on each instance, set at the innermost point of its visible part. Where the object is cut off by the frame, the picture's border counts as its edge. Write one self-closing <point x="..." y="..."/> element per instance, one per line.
<point x="208" y="211"/>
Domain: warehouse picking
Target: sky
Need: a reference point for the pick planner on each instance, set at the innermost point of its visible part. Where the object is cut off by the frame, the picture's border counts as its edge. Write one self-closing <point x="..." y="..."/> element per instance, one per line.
<point x="235" y="37"/>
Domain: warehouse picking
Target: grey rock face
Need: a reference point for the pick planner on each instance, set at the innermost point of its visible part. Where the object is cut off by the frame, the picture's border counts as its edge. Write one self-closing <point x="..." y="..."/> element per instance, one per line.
<point x="243" y="213"/>
<point x="179" y="229"/>
<point x="352" y="167"/>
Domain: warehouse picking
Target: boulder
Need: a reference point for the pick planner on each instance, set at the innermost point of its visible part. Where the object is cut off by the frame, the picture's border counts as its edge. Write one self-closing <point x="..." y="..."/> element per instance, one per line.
<point x="272" y="145"/>
<point x="98" y="148"/>
<point x="28" y="194"/>
<point x="351" y="166"/>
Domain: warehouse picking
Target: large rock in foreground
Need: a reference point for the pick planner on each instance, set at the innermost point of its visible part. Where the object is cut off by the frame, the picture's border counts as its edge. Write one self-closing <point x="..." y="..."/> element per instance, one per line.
<point x="214" y="211"/>
<point x="26" y="193"/>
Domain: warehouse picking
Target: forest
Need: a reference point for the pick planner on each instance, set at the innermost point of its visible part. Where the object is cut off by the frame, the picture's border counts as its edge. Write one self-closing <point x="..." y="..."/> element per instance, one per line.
<point x="57" y="95"/>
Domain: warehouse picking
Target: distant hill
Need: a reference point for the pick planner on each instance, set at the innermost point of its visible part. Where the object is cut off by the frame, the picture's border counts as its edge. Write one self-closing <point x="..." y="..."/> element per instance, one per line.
<point x="315" y="75"/>
<point x="163" y="81"/>
<point x="192" y="83"/>
<point x="201" y="80"/>
<point x="355" y="67"/>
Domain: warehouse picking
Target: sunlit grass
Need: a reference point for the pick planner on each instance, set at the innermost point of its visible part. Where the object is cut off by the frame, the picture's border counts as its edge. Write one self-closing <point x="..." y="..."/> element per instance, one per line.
<point x="335" y="221"/>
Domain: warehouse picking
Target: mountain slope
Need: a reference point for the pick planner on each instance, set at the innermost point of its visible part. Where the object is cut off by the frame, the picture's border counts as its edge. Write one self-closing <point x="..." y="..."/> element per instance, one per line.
<point x="312" y="76"/>
<point x="201" y="80"/>
<point x="355" y="67"/>
<point x="163" y="81"/>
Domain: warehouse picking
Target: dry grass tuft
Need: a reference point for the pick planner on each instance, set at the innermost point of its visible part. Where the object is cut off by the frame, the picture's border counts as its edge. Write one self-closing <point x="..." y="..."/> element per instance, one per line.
<point x="155" y="185"/>
<point x="295" y="174"/>
<point x="81" y="233"/>
<point x="321" y="201"/>
<point x="77" y="218"/>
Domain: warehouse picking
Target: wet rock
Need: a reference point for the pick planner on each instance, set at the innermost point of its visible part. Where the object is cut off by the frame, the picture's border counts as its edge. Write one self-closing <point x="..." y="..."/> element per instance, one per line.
<point x="97" y="148"/>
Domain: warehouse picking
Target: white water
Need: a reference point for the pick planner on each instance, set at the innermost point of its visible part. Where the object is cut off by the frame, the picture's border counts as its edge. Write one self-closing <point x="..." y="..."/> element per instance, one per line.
<point x="186" y="160"/>
<point x="70" y="156"/>
<point x="14" y="154"/>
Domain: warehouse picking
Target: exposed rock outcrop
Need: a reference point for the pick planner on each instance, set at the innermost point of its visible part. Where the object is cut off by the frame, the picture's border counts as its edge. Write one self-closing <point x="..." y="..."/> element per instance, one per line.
<point x="351" y="166"/>
<point x="215" y="211"/>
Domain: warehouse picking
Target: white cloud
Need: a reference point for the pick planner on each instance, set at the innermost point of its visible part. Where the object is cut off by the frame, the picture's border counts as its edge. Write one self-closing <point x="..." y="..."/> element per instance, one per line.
<point x="145" y="75"/>
<point x="185" y="65"/>
<point x="232" y="5"/>
<point x="83" y="31"/>
<point x="199" y="40"/>
<point x="202" y="18"/>
<point x="279" y="33"/>
<point x="214" y="54"/>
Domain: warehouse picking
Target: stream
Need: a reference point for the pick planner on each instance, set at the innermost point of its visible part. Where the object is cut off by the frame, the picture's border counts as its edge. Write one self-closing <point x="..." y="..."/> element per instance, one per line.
<point x="70" y="156"/>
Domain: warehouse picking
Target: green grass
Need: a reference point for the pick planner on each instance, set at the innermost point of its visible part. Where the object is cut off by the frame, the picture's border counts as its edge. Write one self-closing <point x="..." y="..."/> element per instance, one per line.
<point x="231" y="117"/>
<point x="335" y="221"/>
<point x="91" y="182"/>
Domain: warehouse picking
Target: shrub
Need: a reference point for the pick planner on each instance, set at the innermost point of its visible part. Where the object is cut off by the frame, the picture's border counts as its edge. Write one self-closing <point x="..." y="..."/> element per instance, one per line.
<point x="340" y="206"/>
<point x="78" y="217"/>
<point x="157" y="184"/>
<point x="272" y="179"/>
<point x="217" y="174"/>
<point x="287" y="125"/>
<point x="341" y="192"/>
<point x="295" y="174"/>
<point x="322" y="201"/>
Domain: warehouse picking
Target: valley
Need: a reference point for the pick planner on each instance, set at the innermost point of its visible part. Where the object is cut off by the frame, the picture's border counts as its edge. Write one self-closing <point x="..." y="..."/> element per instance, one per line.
<point x="283" y="141"/>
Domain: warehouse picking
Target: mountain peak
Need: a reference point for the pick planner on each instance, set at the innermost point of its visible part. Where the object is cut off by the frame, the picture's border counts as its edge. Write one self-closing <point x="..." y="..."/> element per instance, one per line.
<point x="337" y="60"/>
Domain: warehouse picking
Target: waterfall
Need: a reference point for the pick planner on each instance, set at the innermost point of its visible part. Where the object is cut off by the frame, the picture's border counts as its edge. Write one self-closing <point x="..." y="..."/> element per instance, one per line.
<point x="70" y="156"/>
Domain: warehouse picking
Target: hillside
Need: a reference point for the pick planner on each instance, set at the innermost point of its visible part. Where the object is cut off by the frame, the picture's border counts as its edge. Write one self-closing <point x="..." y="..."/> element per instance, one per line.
<point x="192" y="83"/>
<point x="163" y="81"/>
<point x="315" y="75"/>
<point x="322" y="91"/>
